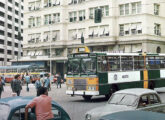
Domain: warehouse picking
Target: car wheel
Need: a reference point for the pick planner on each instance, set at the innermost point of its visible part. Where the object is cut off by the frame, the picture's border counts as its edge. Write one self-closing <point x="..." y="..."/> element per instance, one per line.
<point x="87" y="97"/>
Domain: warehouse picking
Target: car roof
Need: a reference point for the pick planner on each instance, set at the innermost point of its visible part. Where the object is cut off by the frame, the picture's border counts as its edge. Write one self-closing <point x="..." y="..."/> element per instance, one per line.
<point x="134" y="115"/>
<point x="136" y="91"/>
<point x="17" y="101"/>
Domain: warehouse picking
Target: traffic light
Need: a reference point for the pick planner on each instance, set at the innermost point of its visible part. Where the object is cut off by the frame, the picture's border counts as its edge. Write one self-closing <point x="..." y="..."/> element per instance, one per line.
<point x="98" y="15"/>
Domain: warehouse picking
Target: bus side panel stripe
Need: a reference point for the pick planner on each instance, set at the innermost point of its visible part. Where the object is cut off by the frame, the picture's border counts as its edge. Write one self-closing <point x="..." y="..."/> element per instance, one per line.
<point x="145" y="75"/>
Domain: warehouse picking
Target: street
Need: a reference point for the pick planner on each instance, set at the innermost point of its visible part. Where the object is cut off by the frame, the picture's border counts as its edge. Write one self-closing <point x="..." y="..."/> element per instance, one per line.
<point x="75" y="106"/>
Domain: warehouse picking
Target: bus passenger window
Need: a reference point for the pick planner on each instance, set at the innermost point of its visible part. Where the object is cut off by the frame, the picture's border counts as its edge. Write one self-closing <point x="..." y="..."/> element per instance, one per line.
<point x="126" y="62"/>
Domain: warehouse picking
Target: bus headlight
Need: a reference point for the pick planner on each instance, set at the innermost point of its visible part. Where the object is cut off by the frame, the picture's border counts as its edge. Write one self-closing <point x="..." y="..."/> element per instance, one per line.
<point x="69" y="88"/>
<point x="92" y="88"/>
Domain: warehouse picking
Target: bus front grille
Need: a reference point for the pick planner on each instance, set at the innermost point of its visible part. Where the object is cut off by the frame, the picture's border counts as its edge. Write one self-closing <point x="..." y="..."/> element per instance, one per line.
<point x="80" y="84"/>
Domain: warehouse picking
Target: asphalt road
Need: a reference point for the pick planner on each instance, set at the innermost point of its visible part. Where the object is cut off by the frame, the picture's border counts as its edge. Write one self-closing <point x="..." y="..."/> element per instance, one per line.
<point x="75" y="106"/>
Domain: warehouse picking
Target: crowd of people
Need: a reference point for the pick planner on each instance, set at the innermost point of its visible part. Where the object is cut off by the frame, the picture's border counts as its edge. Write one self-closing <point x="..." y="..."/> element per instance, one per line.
<point x="44" y="80"/>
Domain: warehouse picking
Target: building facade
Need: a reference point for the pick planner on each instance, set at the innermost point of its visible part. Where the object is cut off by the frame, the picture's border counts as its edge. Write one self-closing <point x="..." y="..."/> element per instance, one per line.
<point x="11" y="29"/>
<point x="54" y="28"/>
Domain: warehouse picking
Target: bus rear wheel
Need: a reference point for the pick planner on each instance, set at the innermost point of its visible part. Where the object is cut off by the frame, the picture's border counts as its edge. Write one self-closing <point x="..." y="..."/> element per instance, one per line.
<point x="151" y="85"/>
<point x="87" y="97"/>
<point x="113" y="89"/>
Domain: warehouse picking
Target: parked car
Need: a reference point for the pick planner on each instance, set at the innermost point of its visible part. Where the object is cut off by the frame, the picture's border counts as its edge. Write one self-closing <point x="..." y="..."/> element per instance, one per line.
<point x="13" y="108"/>
<point x="134" y="115"/>
<point x="128" y="99"/>
<point x="9" y="78"/>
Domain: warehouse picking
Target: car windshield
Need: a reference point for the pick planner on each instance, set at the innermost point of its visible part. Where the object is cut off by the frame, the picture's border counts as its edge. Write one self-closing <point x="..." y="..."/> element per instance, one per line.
<point x="123" y="99"/>
<point x="88" y="65"/>
<point x="4" y="111"/>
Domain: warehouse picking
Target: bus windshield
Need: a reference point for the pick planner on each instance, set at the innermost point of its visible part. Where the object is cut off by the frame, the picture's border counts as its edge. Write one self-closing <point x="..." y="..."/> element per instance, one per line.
<point x="74" y="66"/>
<point x="88" y="65"/>
<point x="82" y="66"/>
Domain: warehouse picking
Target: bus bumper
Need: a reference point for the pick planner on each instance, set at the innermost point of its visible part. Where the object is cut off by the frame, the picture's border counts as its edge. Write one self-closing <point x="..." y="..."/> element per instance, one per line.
<point x="70" y="92"/>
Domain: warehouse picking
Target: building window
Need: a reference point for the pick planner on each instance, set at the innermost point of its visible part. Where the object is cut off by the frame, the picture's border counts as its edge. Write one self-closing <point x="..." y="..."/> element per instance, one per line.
<point x="2" y="23"/>
<point x="10" y="1"/>
<point x="2" y="5"/>
<point x="72" y="16"/>
<point x="9" y="26"/>
<point x="136" y="7"/>
<point x="2" y="14"/>
<point x="38" y="21"/>
<point x="121" y="9"/>
<point x="157" y="29"/>
<point x="91" y="12"/>
<point x="105" y="10"/>
<point x="47" y="19"/>
<point x="16" y="12"/>
<point x="2" y="32"/>
<point x="9" y="34"/>
<point x="156" y="9"/>
<point x="16" y="4"/>
<point x="81" y="15"/>
<point x="10" y="9"/>
<point x="121" y="32"/>
<point x="56" y="18"/>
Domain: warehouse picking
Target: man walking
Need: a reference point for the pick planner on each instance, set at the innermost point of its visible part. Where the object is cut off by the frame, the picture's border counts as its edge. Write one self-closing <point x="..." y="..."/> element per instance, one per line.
<point x="1" y="86"/>
<point x="16" y="84"/>
<point x="42" y="105"/>
<point x="58" y="80"/>
<point x="47" y="81"/>
<point x="37" y="85"/>
<point x="27" y="79"/>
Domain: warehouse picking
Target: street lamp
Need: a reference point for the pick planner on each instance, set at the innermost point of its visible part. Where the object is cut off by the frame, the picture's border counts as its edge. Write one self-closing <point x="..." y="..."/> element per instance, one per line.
<point x="50" y="49"/>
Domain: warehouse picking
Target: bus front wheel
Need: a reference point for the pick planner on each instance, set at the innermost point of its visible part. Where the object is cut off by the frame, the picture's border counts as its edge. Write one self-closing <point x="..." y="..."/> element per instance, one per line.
<point x="87" y="97"/>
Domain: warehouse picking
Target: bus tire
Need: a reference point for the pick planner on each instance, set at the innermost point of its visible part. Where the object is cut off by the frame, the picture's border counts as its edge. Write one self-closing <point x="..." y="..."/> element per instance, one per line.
<point x="87" y="97"/>
<point x="113" y="89"/>
<point x="151" y="85"/>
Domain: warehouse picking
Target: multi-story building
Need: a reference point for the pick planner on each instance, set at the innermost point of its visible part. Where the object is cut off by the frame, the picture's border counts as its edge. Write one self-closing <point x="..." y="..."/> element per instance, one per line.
<point x="11" y="29"/>
<point x="54" y="28"/>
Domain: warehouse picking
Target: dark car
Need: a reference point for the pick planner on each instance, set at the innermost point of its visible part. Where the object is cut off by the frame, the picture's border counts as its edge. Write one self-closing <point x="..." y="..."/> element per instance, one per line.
<point x="134" y="115"/>
<point x="13" y="108"/>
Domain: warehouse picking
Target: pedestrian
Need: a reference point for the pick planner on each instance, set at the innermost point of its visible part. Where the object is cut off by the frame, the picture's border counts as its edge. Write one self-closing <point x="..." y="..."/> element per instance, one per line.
<point x="42" y="105"/>
<point x="22" y="79"/>
<point x="58" y="80"/>
<point x="37" y="85"/>
<point x="16" y="84"/>
<point x="1" y="86"/>
<point x="3" y="78"/>
<point x="27" y="79"/>
<point x="42" y="80"/>
<point x="47" y="81"/>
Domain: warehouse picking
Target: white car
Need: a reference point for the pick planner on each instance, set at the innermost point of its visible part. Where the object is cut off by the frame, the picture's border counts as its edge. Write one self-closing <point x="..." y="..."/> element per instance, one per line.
<point x="123" y="100"/>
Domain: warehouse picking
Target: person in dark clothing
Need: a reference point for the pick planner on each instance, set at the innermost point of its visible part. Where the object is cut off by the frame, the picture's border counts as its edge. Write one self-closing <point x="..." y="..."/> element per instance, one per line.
<point x="58" y="80"/>
<point x="1" y="86"/>
<point x="16" y="84"/>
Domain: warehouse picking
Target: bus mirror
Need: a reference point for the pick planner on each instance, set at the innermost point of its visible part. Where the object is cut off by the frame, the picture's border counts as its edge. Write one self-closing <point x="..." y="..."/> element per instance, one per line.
<point x="104" y="62"/>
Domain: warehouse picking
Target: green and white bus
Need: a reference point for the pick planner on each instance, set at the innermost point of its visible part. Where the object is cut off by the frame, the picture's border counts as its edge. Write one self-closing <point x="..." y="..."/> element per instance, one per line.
<point x="91" y="74"/>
